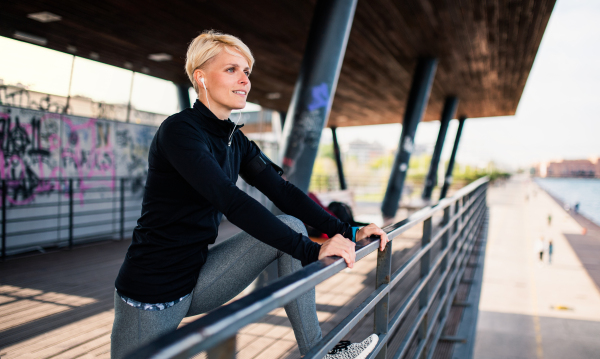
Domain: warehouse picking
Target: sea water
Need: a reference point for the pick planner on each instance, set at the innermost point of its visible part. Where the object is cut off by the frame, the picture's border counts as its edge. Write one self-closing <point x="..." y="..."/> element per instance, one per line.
<point x="585" y="191"/>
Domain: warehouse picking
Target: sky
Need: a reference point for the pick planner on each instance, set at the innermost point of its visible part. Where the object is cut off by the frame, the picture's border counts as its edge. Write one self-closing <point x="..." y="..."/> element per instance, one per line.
<point x="558" y="115"/>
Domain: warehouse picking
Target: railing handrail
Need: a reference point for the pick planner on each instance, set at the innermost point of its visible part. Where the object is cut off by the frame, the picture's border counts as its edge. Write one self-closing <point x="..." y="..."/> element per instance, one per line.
<point x="224" y="322"/>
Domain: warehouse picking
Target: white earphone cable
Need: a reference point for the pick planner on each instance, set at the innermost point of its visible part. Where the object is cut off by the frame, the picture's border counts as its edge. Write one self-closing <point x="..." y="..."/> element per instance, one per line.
<point x="236" y="122"/>
<point x="205" y="92"/>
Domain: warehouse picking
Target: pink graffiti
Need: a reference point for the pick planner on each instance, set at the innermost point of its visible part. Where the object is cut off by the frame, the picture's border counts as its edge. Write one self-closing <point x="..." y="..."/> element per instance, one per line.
<point x="99" y="160"/>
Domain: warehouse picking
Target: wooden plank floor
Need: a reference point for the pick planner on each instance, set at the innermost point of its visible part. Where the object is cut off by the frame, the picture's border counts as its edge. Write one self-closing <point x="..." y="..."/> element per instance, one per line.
<point x="60" y="304"/>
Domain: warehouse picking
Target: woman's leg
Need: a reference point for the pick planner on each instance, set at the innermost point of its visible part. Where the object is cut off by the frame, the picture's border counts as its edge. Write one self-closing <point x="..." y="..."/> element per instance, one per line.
<point x="134" y="327"/>
<point x="233" y="264"/>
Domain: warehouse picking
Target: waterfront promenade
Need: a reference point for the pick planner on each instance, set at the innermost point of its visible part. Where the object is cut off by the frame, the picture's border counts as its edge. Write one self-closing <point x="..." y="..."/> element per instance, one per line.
<point x="533" y="309"/>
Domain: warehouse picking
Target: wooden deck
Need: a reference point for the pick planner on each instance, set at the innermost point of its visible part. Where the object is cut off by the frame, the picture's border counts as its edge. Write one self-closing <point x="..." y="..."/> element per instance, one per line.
<point x="60" y="304"/>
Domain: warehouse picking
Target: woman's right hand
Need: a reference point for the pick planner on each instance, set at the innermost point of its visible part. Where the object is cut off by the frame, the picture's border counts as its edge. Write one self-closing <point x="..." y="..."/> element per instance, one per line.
<point x="341" y="247"/>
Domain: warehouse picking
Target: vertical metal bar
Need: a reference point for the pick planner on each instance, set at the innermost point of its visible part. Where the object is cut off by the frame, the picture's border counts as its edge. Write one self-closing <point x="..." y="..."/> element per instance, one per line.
<point x="70" y="213"/>
<point x="382" y="310"/>
<point x="447" y="114"/>
<point x="122" y="224"/>
<point x="415" y="108"/>
<point x="68" y="104"/>
<point x="225" y="350"/>
<point x="444" y="265"/>
<point x="465" y="203"/>
<point x="425" y="268"/>
<point x="129" y="102"/>
<point x="448" y="178"/>
<point x="446" y="235"/>
<point x="315" y="88"/>
<point x="338" y="159"/>
<point x="183" y="96"/>
<point x="4" y="193"/>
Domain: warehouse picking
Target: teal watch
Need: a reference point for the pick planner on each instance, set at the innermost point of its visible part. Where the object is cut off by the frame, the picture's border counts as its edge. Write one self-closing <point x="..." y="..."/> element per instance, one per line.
<point x="354" y="230"/>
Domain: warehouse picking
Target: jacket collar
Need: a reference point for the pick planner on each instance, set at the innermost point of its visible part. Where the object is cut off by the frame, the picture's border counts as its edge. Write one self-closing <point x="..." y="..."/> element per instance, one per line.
<point x="210" y="122"/>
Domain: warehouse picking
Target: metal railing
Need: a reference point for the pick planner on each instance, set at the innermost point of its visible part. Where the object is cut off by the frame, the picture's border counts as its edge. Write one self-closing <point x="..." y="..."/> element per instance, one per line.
<point x="58" y="212"/>
<point x="429" y="300"/>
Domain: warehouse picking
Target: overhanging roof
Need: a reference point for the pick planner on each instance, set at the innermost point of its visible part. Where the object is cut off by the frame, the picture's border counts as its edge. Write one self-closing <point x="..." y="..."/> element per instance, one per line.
<point x="485" y="48"/>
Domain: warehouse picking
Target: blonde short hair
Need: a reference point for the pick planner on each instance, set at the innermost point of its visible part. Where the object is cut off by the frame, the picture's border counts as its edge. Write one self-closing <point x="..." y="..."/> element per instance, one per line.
<point x="208" y="45"/>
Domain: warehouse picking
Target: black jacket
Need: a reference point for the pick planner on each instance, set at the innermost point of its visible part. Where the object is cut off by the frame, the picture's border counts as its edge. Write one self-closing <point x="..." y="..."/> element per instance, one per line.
<point x="191" y="184"/>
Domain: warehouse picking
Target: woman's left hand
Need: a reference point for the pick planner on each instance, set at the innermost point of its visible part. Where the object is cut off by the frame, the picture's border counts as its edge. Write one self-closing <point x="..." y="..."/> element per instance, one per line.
<point x="373" y="229"/>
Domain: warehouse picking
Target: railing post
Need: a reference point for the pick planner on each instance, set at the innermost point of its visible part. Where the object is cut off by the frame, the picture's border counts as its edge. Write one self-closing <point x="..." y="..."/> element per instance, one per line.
<point x="70" y="213"/>
<point x="446" y="236"/>
<point x="424" y="295"/>
<point x="382" y="310"/>
<point x="444" y="265"/>
<point x="3" y="219"/>
<point x="458" y="216"/>
<point x="225" y="350"/>
<point x="122" y="227"/>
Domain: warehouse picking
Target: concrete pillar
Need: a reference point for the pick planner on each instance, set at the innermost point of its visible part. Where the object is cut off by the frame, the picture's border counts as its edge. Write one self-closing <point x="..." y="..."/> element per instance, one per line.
<point x="338" y="159"/>
<point x="315" y="87"/>
<point x="448" y="178"/>
<point x="183" y="96"/>
<point x="415" y="108"/>
<point x="447" y="114"/>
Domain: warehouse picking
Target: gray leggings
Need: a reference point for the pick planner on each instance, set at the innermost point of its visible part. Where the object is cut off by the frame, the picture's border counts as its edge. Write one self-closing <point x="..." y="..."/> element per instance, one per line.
<point x="230" y="267"/>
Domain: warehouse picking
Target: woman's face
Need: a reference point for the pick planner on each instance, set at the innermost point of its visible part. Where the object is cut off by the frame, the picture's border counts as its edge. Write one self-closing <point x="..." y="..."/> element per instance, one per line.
<point x="227" y="83"/>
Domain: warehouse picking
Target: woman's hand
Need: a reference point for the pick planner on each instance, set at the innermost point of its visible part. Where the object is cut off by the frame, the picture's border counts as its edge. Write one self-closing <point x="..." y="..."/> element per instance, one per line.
<point x="341" y="247"/>
<point x="370" y="230"/>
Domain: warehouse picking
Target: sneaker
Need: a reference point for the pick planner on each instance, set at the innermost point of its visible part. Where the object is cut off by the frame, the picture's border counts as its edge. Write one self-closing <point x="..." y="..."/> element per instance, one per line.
<point x="347" y="350"/>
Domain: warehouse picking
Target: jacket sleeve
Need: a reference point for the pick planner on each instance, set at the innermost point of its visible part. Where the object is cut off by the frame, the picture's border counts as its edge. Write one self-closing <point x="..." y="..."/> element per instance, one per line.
<point x="184" y="147"/>
<point x="291" y="200"/>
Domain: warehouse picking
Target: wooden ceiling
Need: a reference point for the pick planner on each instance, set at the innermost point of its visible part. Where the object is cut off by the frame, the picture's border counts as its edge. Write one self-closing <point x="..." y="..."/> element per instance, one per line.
<point x="485" y="48"/>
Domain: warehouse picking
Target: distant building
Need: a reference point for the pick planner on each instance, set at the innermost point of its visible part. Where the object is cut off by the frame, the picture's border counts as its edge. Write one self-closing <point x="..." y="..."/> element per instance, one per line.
<point x="364" y="151"/>
<point x="589" y="168"/>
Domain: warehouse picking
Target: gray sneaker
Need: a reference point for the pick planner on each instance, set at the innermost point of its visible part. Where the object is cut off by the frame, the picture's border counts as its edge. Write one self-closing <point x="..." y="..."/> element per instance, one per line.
<point x="347" y="350"/>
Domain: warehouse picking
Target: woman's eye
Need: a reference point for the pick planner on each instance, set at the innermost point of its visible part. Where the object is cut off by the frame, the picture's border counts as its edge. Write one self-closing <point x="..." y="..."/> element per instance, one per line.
<point x="231" y="69"/>
<point x="247" y="73"/>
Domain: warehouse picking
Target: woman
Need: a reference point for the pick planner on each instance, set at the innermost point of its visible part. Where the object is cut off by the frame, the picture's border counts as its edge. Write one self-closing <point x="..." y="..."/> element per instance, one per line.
<point x="194" y="162"/>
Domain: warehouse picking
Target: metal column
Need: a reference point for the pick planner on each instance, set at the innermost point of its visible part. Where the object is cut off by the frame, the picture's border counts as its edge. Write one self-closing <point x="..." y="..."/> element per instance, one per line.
<point x="315" y="87"/>
<point x="338" y="159"/>
<point x="415" y="108"/>
<point x="448" y="178"/>
<point x="183" y="96"/>
<point x="447" y="114"/>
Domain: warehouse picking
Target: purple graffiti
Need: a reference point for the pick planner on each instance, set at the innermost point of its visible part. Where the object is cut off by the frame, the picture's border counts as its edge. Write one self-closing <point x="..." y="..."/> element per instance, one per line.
<point x="320" y="97"/>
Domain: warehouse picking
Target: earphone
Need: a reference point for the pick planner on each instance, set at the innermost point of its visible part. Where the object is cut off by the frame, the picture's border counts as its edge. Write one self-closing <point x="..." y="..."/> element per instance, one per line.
<point x="205" y="91"/>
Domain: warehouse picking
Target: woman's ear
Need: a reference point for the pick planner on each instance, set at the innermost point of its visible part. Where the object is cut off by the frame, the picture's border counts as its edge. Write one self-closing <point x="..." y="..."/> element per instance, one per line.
<point x="198" y="76"/>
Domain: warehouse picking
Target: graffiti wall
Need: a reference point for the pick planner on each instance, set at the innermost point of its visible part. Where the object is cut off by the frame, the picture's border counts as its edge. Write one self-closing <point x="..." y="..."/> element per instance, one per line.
<point x="41" y="151"/>
<point x="37" y="148"/>
<point x="44" y="156"/>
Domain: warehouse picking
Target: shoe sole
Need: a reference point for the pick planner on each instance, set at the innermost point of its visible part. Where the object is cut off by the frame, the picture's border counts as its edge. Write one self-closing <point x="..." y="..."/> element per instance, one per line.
<point x="369" y="348"/>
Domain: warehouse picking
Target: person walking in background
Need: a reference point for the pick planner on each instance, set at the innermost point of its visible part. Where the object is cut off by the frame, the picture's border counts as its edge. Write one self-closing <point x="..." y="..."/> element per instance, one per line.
<point x="550" y="249"/>
<point x="540" y="248"/>
<point x="549" y="219"/>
